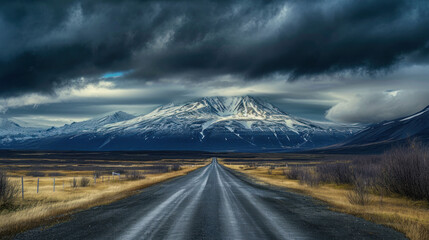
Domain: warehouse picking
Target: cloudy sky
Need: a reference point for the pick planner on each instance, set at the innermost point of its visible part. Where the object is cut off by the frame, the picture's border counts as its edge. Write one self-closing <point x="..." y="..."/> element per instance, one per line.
<point x="338" y="60"/>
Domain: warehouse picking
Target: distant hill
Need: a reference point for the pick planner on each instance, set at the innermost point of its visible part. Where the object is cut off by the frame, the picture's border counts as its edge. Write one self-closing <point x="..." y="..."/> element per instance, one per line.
<point x="382" y="136"/>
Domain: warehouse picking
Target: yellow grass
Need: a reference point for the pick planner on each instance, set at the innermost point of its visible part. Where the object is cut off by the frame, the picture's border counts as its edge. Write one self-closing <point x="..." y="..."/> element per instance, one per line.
<point x="48" y="207"/>
<point x="404" y="215"/>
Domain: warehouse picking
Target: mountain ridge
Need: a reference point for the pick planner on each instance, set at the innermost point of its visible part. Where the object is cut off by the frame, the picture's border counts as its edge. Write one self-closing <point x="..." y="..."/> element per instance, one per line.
<point x="240" y="123"/>
<point x="385" y="134"/>
<point x="92" y="124"/>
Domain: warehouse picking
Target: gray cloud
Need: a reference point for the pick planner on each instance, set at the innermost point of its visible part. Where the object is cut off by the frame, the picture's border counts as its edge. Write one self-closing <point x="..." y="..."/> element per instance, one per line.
<point x="47" y="44"/>
<point x="380" y="106"/>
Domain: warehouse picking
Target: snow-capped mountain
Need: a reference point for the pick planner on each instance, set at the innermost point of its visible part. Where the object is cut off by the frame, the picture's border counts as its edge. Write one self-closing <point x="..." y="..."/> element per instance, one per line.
<point x="10" y="131"/>
<point x="207" y="113"/>
<point x="90" y="125"/>
<point x="413" y="126"/>
<point x="214" y="123"/>
<point x="7" y="126"/>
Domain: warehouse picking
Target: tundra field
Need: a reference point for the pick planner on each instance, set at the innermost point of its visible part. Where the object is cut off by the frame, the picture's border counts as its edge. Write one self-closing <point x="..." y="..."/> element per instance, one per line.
<point x="360" y="185"/>
<point x="82" y="180"/>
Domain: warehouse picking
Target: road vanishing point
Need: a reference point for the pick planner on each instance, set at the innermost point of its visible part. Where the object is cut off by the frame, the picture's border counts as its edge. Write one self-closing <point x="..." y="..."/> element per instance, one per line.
<point x="213" y="202"/>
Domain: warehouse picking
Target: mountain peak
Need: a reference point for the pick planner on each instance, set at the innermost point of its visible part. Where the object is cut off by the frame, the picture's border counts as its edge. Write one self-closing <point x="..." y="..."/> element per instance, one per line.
<point x="223" y="98"/>
<point x="229" y="99"/>
<point x="240" y="106"/>
<point x="8" y="124"/>
<point x="92" y="124"/>
<point x="115" y="117"/>
<point x="121" y="115"/>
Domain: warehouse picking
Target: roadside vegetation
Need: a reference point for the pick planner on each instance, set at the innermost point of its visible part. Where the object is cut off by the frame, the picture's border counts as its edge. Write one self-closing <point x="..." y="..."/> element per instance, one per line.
<point x="74" y="191"/>
<point x="8" y="191"/>
<point x="390" y="189"/>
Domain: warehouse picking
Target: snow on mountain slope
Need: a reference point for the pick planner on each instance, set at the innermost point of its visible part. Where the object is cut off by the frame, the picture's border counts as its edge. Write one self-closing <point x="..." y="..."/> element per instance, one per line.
<point x="13" y="133"/>
<point x="213" y="123"/>
<point x="415" y="125"/>
<point x="90" y="125"/>
<point x="220" y="123"/>
<point x="10" y="131"/>
<point x="211" y="111"/>
<point x="7" y="126"/>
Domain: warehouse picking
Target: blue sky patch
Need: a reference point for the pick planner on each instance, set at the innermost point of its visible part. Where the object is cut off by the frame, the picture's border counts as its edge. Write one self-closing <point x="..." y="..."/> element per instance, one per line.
<point x="114" y="74"/>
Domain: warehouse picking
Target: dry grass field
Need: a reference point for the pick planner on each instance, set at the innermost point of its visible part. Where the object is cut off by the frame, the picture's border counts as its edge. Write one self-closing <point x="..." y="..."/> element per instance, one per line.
<point x="74" y="194"/>
<point x="408" y="216"/>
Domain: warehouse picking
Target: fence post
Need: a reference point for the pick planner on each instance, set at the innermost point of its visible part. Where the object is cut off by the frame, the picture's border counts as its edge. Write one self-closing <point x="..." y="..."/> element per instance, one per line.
<point x="54" y="184"/>
<point x="37" y="185"/>
<point x="95" y="180"/>
<point x="22" y="187"/>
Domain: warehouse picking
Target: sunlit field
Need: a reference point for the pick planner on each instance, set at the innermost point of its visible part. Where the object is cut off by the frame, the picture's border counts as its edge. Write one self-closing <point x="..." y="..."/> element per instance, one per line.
<point x="77" y="187"/>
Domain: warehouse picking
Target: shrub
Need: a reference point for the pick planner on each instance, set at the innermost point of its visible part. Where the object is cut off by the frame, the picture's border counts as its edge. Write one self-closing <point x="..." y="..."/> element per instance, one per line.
<point x="339" y="173"/>
<point x="35" y="174"/>
<point x="160" y="168"/>
<point x="293" y="172"/>
<point x="405" y="171"/>
<point x="55" y="174"/>
<point x="308" y="177"/>
<point x="73" y="183"/>
<point x="360" y="193"/>
<point x="8" y="190"/>
<point x="176" y="167"/>
<point x="84" y="182"/>
<point x="285" y="172"/>
<point x="134" y="175"/>
<point x="368" y="169"/>
<point x="304" y="174"/>
<point x="252" y="166"/>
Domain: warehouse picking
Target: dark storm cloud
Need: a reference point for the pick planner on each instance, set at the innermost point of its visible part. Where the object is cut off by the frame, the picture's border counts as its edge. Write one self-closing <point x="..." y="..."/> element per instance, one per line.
<point x="47" y="44"/>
